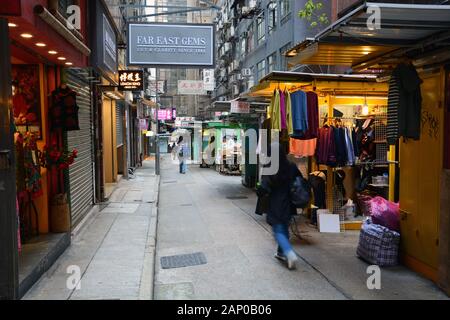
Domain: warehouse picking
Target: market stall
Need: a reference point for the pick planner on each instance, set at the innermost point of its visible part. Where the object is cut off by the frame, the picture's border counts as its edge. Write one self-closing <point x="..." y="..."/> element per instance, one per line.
<point x="348" y="110"/>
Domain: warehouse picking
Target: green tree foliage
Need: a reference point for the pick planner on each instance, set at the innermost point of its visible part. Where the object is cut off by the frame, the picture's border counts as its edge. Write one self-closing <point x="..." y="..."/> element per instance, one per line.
<point x="312" y="12"/>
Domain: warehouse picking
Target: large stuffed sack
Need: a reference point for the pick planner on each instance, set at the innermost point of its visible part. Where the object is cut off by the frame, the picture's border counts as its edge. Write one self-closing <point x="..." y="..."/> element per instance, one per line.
<point x="378" y="245"/>
<point x="385" y="213"/>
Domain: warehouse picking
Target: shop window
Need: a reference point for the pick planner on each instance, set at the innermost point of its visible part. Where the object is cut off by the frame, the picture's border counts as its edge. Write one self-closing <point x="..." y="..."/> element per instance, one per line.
<point x="272" y="16"/>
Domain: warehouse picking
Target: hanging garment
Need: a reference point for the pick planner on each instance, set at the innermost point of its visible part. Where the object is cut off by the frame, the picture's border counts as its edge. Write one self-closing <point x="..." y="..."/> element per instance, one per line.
<point x="283" y="110"/>
<point x="64" y="110"/>
<point x="313" y="116"/>
<point x="275" y="116"/>
<point x="349" y="143"/>
<point x="317" y="182"/>
<point x="341" y="147"/>
<point x="299" y="113"/>
<point x="289" y="123"/>
<point x="392" y="111"/>
<point x="406" y="105"/>
<point x="302" y="148"/>
<point x="326" y="149"/>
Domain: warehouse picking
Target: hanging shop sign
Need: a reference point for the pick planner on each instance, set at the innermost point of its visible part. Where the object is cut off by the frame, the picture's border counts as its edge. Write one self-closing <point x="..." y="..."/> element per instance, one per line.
<point x="103" y="42"/>
<point x="209" y="83"/>
<point x="11" y="8"/>
<point x="240" y="107"/>
<point x="191" y="87"/>
<point x="110" y="45"/>
<point x="179" y="45"/>
<point x="131" y="80"/>
<point x="143" y="124"/>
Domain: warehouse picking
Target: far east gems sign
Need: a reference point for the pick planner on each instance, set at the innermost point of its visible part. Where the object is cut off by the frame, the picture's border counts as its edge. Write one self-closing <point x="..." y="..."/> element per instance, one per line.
<point x="179" y="45"/>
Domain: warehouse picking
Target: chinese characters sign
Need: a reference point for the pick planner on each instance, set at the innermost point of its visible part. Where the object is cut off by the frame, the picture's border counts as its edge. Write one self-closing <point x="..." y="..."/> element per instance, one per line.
<point x="131" y="80"/>
<point x="191" y="87"/>
<point x="240" y="107"/>
<point x="209" y="82"/>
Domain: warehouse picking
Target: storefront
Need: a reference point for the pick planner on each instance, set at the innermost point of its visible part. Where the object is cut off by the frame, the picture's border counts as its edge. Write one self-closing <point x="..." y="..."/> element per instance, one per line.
<point x="36" y="150"/>
<point x="109" y="102"/>
<point x="415" y="39"/>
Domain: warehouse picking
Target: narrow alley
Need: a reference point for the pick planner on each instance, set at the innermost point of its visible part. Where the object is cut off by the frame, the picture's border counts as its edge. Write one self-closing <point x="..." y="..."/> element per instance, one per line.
<point x="204" y="211"/>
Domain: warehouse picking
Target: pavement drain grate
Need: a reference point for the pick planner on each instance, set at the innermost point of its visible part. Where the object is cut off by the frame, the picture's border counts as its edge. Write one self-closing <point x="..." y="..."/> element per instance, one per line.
<point x="183" y="260"/>
<point x="237" y="198"/>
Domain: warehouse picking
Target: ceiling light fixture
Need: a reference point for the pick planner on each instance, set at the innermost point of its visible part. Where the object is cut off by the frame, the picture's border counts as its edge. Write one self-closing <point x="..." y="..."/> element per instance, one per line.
<point x="53" y="52"/>
<point x="69" y="63"/>
<point x="12" y="25"/>
<point x="41" y="44"/>
<point x="26" y="35"/>
<point x="62" y="58"/>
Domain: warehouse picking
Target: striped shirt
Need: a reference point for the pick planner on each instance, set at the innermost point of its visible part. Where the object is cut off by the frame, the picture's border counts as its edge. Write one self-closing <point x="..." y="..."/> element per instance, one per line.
<point x="392" y="132"/>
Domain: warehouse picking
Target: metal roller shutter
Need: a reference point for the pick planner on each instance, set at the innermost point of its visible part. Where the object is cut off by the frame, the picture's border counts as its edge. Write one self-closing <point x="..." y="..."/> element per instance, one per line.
<point x="81" y="173"/>
<point x="119" y="122"/>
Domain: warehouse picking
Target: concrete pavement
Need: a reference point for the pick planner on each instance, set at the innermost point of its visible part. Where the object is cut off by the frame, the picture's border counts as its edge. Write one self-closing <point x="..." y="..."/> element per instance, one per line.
<point x="114" y="251"/>
<point x="204" y="211"/>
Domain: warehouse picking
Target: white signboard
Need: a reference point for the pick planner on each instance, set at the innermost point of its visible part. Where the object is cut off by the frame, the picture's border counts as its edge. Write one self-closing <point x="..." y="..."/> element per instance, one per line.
<point x="191" y="87"/>
<point x="240" y="107"/>
<point x="209" y="82"/>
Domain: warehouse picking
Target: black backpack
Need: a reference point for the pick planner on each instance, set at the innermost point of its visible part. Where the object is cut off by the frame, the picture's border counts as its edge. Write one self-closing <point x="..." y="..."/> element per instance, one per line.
<point x="300" y="192"/>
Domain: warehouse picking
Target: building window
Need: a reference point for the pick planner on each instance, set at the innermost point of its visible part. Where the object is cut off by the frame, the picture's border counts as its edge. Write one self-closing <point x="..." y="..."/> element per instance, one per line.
<point x="250" y="39"/>
<point x="272" y="19"/>
<point x="63" y="5"/>
<point x="285" y="8"/>
<point x="261" y="69"/>
<point x="283" y="64"/>
<point x="272" y="62"/>
<point x="243" y="46"/>
<point x="261" y="29"/>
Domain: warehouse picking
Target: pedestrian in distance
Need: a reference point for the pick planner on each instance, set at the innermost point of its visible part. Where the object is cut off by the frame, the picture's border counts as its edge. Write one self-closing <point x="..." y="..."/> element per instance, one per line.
<point x="275" y="192"/>
<point x="182" y="150"/>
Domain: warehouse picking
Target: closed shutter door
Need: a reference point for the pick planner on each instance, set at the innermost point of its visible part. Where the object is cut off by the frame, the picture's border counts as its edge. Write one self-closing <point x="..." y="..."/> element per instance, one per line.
<point x="119" y="123"/>
<point x="81" y="173"/>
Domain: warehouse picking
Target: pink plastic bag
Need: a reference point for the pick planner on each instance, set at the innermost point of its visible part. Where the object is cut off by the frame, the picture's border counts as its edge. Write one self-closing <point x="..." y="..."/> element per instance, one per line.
<point x="385" y="213"/>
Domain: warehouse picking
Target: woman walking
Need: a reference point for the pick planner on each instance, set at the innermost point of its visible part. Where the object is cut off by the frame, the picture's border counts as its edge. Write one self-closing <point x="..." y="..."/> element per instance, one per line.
<point x="182" y="150"/>
<point x="279" y="209"/>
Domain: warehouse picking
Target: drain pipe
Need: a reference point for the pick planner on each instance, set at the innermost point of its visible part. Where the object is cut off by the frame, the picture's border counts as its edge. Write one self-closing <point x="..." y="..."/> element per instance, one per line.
<point x="55" y="24"/>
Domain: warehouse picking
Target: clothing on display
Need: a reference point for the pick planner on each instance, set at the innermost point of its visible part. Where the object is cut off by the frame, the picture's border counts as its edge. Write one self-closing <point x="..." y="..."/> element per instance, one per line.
<point x="404" y="104"/>
<point x="302" y="148"/>
<point x="64" y="109"/>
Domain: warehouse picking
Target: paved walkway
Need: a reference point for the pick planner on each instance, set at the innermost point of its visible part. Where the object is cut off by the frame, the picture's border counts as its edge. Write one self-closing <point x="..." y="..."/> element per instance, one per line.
<point x="197" y="214"/>
<point x="114" y="251"/>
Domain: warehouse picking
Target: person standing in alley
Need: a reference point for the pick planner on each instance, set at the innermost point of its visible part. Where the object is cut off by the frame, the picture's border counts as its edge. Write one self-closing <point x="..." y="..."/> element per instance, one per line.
<point x="183" y="153"/>
<point x="277" y="189"/>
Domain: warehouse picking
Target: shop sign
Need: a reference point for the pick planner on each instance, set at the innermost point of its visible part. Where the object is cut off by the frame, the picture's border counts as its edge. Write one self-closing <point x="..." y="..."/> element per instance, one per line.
<point x="191" y="87"/>
<point x="165" y="114"/>
<point x="11" y="8"/>
<point x="157" y="86"/>
<point x="209" y="83"/>
<point x="240" y="107"/>
<point x="143" y="124"/>
<point x="109" y="45"/>
<point x="164" y="44"/>
<point x="131" y="80"/>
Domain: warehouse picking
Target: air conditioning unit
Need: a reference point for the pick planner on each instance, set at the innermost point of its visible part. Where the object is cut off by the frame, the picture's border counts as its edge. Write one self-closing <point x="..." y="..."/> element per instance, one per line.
<point x="239" y="76"/>
<point x="245" y="10"/>
<point x="246" y="72"/>
<point x="235" y="89"/>
<point x="252" y="3"/>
